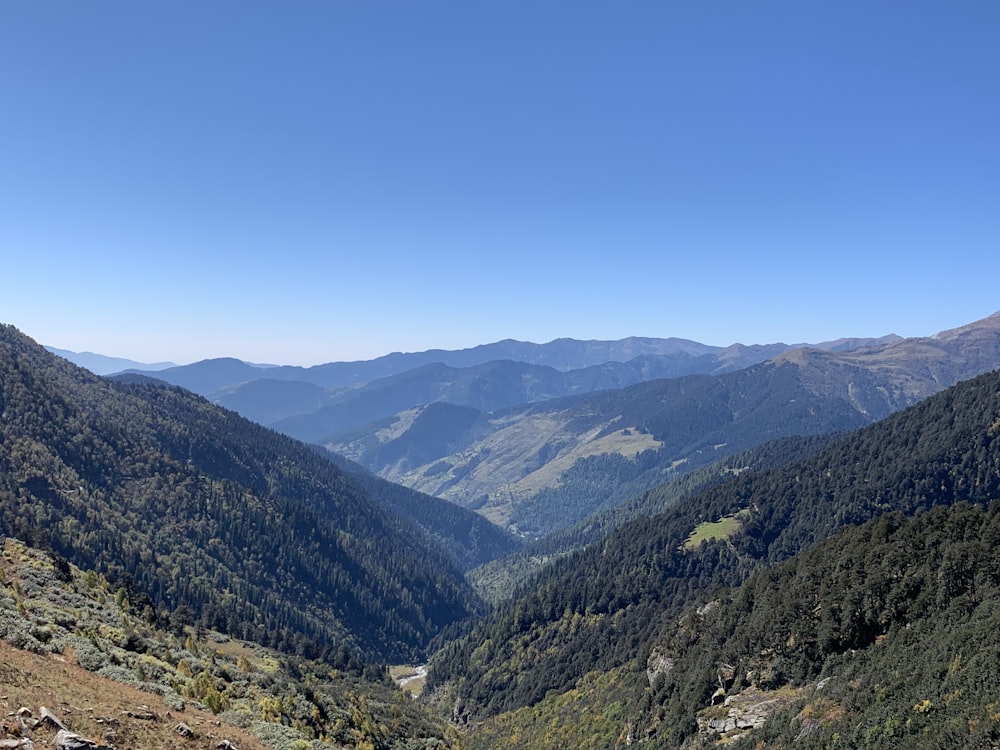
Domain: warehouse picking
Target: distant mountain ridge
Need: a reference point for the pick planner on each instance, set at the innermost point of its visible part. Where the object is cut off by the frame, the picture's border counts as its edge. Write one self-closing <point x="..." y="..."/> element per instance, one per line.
<point x="101" y="364"/>
<point x="312" y="403"/>
<point x="542" y="466"/>
<point x="563" y="355"/>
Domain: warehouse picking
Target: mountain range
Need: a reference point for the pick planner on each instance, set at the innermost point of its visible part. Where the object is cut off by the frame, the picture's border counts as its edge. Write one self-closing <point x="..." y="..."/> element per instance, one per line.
<point x="349" y="394"/>
<point x="540" y="467"/>
<point x="553" y="433"/>
<point x="626" y="631"/>
<point x="537" y="449"/>
<point x="101" y="364"/>
<point x="799" y="552"/>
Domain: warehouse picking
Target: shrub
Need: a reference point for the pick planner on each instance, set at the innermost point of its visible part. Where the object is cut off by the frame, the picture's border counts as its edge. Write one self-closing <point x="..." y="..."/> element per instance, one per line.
<point x="275" y="736"/>
<point x="88" y="655"/>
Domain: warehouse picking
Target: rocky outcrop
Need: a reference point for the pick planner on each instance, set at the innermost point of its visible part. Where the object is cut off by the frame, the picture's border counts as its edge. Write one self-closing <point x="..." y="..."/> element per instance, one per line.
<point x="746" y="710"/>
<point x="658" y="665"/>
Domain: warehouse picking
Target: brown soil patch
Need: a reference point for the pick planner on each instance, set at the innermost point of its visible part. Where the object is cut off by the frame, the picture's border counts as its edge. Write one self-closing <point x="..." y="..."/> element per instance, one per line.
<point x="101" y="710"/>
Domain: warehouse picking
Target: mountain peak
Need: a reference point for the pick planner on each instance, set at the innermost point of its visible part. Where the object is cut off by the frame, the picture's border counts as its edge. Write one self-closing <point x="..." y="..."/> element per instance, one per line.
<point x="989" y="323"/>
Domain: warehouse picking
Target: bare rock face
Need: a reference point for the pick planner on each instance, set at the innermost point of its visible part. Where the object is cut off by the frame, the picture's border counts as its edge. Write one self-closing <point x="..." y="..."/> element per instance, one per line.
<point x="658" y="664"/>
<point x="746" y="710"/>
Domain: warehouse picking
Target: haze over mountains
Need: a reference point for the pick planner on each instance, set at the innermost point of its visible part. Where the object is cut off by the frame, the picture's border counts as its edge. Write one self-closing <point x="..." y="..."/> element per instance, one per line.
<point x="562" y="367"/>
<point x="527" y="439"/>
<point x="101" y="364"/>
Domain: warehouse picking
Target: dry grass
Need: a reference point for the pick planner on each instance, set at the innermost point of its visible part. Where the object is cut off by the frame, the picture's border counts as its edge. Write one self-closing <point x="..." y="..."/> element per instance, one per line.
<point x="101" y="710"/>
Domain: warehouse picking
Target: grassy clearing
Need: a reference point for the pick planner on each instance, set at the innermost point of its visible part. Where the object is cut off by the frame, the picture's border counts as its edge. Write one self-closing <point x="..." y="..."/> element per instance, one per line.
<point x="721" y="529"/>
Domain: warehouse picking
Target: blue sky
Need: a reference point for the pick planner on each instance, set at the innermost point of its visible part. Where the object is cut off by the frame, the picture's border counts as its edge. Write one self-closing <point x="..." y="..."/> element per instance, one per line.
<point x="316" y="181"/>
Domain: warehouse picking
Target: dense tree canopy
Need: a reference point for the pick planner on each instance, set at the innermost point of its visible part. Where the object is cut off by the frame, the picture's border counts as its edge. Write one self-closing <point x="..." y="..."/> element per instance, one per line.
<point x="607" y="605"/>
<point x="193" y="506"/>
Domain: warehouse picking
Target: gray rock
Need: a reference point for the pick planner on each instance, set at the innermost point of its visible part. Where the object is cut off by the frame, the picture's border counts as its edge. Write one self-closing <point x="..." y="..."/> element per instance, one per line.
<point x="51" y="719"/>
<point x="65" y="740"/>
<point x="658" y="664"/>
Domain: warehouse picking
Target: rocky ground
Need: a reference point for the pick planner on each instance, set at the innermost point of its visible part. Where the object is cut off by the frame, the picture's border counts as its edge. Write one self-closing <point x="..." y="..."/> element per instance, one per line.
<point x="105" y="713"/>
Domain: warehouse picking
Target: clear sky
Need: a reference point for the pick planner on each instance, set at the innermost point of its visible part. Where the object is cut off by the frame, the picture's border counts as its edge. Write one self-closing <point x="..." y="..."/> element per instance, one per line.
<point x="325" y="180"/>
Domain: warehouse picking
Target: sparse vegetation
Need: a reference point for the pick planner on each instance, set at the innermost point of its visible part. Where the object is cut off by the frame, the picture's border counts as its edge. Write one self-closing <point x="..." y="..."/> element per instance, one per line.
<point x="285" y="702"/>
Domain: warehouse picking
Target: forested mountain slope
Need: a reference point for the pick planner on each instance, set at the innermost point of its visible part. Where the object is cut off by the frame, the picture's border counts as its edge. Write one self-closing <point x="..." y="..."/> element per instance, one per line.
<point x="500" y="578"/>
<point x="542" y="467"/>
<point x="611" y="603"/>
<point x="882" y="636"/>
<point x="467" y="537"/>
<point x="201" y="510"/>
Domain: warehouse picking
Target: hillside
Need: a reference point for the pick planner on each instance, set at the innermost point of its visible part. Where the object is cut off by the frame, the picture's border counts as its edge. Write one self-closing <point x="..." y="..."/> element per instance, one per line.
<point x="115" y="674"/>
<point x="468" y="538"/>
<point x="884" y="635"/>
<point x="881" y="636"/>
<point x="200" y="511"/>
<point x="542" y="467"/>
<point x="609" y="606"/>
<point x="500" y="579"/>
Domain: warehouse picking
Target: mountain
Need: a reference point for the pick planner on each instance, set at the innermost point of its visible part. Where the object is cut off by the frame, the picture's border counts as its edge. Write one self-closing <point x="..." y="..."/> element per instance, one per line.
<point x="313" y="403"/>
<point x="350" y="394"/>
<point x="488" y="387"/>
<point x="883" y="635"/>
<point x="562" y="355"/>
<point x="540" y="467"/>
<point x="268" y="401"/>
<point x="200" y="511"/>
<point x="210" y="375"/>
<point x="100" y="364"/>
<point x="498" y="579"/>
<point x="609" y="608"/>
